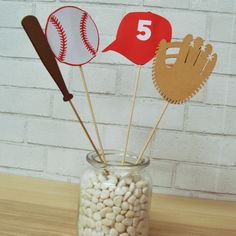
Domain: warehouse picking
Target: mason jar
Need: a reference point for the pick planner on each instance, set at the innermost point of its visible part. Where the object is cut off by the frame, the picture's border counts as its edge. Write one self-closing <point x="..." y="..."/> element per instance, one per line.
<point x="114" y="198"/>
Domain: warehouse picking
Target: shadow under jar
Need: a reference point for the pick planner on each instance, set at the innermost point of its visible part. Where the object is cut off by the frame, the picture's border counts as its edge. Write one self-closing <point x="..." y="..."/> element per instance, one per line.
<point x="114" y="198"/>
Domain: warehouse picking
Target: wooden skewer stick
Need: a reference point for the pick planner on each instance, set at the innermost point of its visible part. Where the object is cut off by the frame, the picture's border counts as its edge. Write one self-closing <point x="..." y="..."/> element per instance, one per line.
<point x="152" y="133"/>
<point x="92" y="113"/>
<point x="85" y="130"/>
<point x="131" y="113"/>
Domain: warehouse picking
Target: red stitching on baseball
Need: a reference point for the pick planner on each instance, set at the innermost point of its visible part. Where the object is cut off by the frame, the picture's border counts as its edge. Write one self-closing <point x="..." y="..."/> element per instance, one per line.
<point x="84" y="34"/>
<point x="62" y="35"/>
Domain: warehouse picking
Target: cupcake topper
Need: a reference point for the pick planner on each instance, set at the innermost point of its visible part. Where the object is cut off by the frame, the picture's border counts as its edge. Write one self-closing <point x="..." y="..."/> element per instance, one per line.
<point x="74" y="39"/>
<point x="37" y="37"/>
<point x="137" y="38"/>
<point x="72" y="35"/>
<point x="180" y="81"/>
<point x="40" y="43"/>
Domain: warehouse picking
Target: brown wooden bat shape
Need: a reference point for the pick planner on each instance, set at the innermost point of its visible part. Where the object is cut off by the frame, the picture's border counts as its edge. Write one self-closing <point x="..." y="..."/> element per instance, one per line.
<point x="180" y="81"/>
<point x="40" y="43"/>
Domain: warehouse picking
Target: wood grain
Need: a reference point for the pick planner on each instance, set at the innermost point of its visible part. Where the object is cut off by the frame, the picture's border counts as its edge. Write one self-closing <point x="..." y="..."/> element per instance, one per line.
<point x="33" y="207"/>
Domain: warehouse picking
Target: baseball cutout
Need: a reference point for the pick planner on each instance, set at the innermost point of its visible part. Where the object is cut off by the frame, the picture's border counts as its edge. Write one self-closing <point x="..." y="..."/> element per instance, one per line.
<point x="72" y="35"/>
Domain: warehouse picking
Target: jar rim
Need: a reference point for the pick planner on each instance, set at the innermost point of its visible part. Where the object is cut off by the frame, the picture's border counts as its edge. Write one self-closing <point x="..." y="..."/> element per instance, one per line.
<point x="93" y="159"/>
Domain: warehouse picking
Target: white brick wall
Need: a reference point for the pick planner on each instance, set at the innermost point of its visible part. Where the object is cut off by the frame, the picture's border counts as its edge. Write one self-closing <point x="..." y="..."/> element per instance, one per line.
<point x="193" y="153"/>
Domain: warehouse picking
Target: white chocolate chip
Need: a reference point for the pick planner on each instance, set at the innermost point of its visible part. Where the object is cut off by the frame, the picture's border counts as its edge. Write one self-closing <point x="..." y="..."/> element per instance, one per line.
<point x="121" y="190"/>
<point x="119" y="218"/>
<point x="132" y="199"/>
<point x="124" y="234"/>
<point x="104" y="186"/>
<point x="129" y="214"/>
<point x="131" y="187"/>
<point x="136" y="178"/>
<point x="101" y="178"/>
<point x="105" y="229"/>
<point x="127" y="221"/>
<point x="135" y="221"/>
<point x="117" y="201"/>
<point x="96" y="216"/>
<point x="107" y="222"/>
<point x="112" y="180"/>
<point x="97" y="185"/>
<point x="140" y="226"/>
<point x="100" y="206"/>
<point x="137" y="208"/>
<point x="145" y="190"/>
<point x="105" y="194"/>
<point x="89" y="212"/>
<point x="98" y="226"/>
<point x="137" y="192"/>
<point x="104" y="211"/>
<point x="144" y="206"/>
<point x="143" y="199"/>
<point x="120" y="227"/>
<point x="140" y="184"/>
<point x="110" y="216"/>
<point x="123" y="212"/>
<point x="113" y="232"/>
<point x="94" y="199"/>
<point x="112" y="194"/>
<point x="127" y="195"/>
<point x="124" y="206"/>
<point x="131" y="231"/>
<point x="90" y="223"/>
<point x="108" y="202"/>
<point x="116" y="209"/>
<point x="128" y="180"/>
<point x="121" y="183"/>
<point x="136" y="202"/>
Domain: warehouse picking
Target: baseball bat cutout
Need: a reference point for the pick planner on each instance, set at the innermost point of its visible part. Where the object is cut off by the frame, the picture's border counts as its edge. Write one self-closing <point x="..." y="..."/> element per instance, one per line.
<point x="137" y="38"/>
<point x="40" y="43"/>
<point x="180" y="81"/>
<point x="74" y="39"/>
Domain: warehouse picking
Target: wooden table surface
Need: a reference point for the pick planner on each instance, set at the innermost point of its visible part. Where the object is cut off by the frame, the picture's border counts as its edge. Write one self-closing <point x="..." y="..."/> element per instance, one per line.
<point x="32" y="207"/>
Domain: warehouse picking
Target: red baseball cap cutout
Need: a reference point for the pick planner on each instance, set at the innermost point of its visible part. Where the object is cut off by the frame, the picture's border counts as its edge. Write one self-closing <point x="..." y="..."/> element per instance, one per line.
<point x="72" y="35"/>
<point x="138" y="36"/>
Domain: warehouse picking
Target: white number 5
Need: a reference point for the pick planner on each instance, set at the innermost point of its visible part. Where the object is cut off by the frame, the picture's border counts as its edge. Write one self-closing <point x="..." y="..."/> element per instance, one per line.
<point x="143" y="27"/>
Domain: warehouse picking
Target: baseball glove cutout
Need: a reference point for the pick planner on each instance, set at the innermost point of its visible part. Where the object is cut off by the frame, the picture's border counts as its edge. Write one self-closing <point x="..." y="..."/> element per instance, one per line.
<point x="180" y="81"/>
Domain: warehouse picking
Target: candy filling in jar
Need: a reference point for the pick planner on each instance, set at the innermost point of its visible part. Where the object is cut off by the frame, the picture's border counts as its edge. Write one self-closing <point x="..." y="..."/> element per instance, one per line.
<point x="115" y="199"/>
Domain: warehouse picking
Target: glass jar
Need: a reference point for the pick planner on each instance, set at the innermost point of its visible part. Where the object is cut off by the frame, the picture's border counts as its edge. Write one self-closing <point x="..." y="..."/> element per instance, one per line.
<point x="114" y="198"/>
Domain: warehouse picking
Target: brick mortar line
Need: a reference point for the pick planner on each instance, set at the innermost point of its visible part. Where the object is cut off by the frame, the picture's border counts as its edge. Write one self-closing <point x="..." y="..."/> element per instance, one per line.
<point x="48" y="118"/>
<point x="38" y="145"/>
<point x="56" y="92"/>
<point x="117" y="5"/>
<point x="194" y="163"/>
<point x="30" y="171"/>
<point x="103" y="64"/>
<point x="21" y="168"/>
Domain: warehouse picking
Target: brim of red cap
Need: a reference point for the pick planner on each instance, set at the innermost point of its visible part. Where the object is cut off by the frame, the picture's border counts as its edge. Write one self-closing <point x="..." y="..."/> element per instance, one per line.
<point x="111" y="46"/>
<point x="116" y="47"/>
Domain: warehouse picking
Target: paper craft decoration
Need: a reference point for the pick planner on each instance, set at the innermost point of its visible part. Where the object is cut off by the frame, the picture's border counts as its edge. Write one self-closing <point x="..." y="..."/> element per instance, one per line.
<point x="40" y="43"/>
<point x="74" y="39"/>
<point x="179" y="81"/>
<point x="72" y="35"/>
<point x="139" y="34"/>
